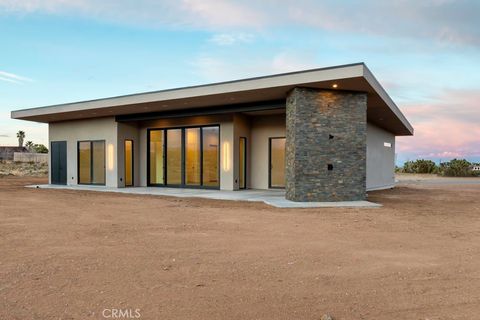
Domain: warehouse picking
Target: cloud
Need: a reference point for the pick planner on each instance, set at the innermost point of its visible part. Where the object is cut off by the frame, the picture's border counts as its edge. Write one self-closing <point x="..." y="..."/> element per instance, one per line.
<point x="444" y="21"/>
<point x="228" y="39"/>
<point x="445" y="127"/>
<point x="203" y="14"/>
<point x="13" y="78"/>
<point x="217" y="68"/>
<point x="4" y="135"/>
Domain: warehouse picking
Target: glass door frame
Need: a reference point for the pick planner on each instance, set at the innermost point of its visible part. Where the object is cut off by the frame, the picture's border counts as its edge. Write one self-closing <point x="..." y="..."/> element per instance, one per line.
<point x="183" y="160"/>
<point x="270" y="163"/>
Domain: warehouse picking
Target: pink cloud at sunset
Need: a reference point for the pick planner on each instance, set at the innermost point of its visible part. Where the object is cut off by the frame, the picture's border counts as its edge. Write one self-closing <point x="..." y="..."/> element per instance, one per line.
<point x="446" y="127"/>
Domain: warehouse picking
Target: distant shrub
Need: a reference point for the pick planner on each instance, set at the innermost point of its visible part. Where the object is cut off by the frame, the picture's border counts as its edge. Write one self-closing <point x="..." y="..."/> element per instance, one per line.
<point x="420" y="166"/>
<point x="40" y="148"/>
<point x="457" y="168"/>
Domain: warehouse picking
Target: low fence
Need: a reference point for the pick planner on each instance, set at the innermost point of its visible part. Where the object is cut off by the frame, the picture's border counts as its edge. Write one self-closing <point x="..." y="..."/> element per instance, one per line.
<point x="30" y="157"/>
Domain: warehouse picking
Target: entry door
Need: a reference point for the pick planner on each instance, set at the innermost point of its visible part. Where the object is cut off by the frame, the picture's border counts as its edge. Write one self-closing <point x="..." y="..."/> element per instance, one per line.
<point x="277" y="163"/>
<point x="58" y="170"/>
<point x="128" y="163"/>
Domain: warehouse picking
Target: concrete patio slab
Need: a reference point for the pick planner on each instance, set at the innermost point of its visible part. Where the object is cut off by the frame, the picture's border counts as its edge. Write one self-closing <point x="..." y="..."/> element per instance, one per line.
<point x="275" y="198"/>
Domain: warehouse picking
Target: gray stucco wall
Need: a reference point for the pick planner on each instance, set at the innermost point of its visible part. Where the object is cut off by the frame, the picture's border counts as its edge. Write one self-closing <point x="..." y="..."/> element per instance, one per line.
<point x="88" y="129"/>
<point x="326" y="128"/>
<point x="380" y="159"/>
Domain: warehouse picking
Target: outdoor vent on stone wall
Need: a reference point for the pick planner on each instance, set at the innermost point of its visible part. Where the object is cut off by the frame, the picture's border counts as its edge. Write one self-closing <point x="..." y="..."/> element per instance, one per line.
<point x="330" y="167"/>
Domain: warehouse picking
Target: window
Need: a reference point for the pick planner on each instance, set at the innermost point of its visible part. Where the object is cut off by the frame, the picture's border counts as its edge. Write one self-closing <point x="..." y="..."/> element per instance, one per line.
<point x="91" y="162"/>
<point x="184" y="157"/>
<point x="242" y="155"/>
<point x="128" y="163"/>
<point x="277" y="163"/>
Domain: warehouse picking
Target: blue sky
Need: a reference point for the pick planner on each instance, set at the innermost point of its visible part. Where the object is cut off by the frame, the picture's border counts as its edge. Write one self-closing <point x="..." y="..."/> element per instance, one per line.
<point x="425" y="54"/>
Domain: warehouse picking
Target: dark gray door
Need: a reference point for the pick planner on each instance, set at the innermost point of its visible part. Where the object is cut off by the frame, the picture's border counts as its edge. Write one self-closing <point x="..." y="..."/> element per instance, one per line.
<point x="58" y="151"/>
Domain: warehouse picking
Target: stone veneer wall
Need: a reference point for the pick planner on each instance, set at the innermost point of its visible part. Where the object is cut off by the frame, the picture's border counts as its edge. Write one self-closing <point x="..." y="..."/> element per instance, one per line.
<point x="326" y="128"/>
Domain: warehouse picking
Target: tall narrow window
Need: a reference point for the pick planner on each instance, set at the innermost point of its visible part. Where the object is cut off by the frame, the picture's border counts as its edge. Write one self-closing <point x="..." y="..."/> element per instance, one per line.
<point x="98" y="162"/>
<point x="174" y="156"/>
<point x="192" y="156"/>
<point x="156" y="157"/>
<point x="211" y="154"/>
<point x="91" y="162"/>
<point x="277" y="162"/>
<point x="242" y="163"/>
<point x="84" y="162"/>
<point x="128" y="163"/>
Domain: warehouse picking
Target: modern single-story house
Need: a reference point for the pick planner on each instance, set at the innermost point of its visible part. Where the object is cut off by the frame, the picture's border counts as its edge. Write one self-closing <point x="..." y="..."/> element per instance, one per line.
<point x="324" y="135"/>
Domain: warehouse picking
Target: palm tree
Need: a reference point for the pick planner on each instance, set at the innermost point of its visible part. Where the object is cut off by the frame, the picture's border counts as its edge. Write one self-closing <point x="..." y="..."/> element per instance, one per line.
<point x="30" y="146"/>
<point x="20" y="136"/>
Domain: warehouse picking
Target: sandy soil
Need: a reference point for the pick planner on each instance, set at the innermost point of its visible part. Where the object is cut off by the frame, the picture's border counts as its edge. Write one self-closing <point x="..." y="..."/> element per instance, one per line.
<point x="73" y="254"/>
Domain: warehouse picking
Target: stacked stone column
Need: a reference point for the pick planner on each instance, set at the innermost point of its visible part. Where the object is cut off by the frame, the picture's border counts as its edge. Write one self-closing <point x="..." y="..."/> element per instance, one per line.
<point x="326" y="145"/>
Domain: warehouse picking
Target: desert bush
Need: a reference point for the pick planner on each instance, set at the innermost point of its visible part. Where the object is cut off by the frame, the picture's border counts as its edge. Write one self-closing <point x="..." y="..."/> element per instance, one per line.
<point x="420" y="166"/>
<point x="456" y="168"/>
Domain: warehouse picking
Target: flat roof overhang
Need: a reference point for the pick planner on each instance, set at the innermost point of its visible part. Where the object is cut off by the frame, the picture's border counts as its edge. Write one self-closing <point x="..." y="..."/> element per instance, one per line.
<point x="381" y="110"/>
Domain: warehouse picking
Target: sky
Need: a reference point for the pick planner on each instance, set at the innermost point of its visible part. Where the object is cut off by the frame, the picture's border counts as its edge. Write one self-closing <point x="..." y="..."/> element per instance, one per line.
<point x="425" y="53"/>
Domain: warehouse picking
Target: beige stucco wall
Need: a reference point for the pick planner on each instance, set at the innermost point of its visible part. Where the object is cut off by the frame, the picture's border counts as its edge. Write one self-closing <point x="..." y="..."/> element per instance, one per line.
<point x="263" y="128"/>
<point x="380" y="159"/>
<point x="89" y="129"/>
<point x="226" y="143"/>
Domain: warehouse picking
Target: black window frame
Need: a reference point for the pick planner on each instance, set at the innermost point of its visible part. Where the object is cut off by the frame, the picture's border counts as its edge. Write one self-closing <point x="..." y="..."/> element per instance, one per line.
<point x="91" y="162"/>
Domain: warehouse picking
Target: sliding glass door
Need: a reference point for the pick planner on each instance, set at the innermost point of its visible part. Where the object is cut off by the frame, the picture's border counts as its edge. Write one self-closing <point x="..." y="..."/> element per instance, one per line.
<point x="174" y="156"/>
<point x="211" y="157"/>
<point x="193" y="157"/>
<point x="91" y="162"/>
<point x="156" y="157"/>
<point x="184" y="157"/>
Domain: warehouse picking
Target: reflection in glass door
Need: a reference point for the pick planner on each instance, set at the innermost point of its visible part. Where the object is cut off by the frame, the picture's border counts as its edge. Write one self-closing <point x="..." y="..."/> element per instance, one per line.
<point x="277" y="163"/>
<point x="174" y="156"/>
<point x="192" y="156"/>
<point x="156" y="157"/>
<point x="211" y="157"/>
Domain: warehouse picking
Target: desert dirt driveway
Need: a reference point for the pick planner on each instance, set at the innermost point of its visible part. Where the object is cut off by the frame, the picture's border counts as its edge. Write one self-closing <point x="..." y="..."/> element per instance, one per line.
<point x="73" y="254"/>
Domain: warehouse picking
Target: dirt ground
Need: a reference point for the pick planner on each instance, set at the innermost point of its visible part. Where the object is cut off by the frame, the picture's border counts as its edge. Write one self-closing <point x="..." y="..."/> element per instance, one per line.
<point x="74" y="254"/>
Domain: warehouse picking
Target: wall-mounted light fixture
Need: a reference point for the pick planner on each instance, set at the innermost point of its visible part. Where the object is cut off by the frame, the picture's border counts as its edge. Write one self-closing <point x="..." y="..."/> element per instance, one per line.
<point x="110" y="157"/>
<point x="226" y="156"/>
